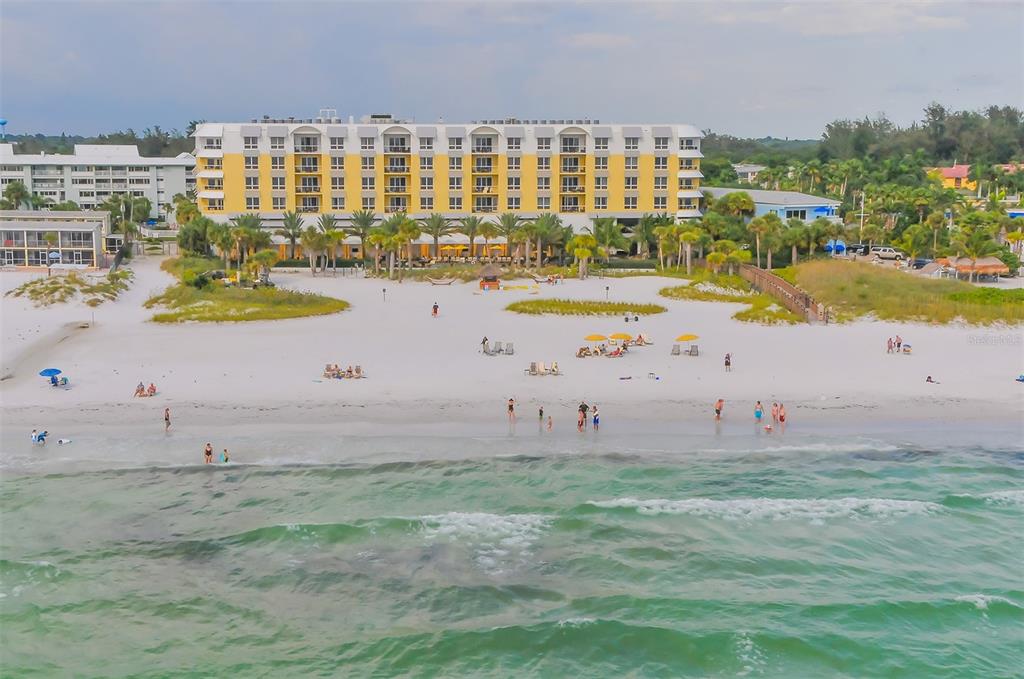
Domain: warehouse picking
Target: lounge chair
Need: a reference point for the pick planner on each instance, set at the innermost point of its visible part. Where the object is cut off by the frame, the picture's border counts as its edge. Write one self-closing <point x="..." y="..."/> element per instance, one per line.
<point x="498" y="349"/>
<point x="440" y="281"/>
<point x="532" y="370"/>
<point x="554" y="368"/>
<point x="675" y="350"/>
<point x="693" y="350"/>
<point x="509" y="349"/>
<point x="487" y="349"/>
<point x="541" y="370"/>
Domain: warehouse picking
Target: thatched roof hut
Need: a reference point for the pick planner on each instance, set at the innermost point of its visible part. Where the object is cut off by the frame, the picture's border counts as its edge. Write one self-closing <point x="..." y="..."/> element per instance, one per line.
<point x="985" y="266"/>
<point x="490" y="272"/>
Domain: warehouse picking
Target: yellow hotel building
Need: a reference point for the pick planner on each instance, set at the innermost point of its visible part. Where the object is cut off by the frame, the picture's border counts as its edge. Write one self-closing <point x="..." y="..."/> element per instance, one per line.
<point x="578" y="169"/>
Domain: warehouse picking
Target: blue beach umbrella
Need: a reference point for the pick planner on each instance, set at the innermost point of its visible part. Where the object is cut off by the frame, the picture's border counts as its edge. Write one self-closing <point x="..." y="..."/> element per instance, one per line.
<point x="840" y="247"/>
<point x="830" y="245"/>
<point x="49" y="372"/>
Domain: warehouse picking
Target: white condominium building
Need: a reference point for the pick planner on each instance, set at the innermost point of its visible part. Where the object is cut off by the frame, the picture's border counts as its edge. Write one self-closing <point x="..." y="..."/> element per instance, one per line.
<point x="94" y="172"/>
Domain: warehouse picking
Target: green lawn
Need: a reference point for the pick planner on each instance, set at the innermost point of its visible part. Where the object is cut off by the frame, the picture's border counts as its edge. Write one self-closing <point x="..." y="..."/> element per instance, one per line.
<point x="572" y="307"/>
<point x="213" y="302"/>
<point x="855" y="289"/>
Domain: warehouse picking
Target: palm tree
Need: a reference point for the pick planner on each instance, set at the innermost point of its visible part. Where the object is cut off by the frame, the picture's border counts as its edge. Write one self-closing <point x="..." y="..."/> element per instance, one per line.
<point x="489" y="230"/>
<point x="715" y="261"/>
<point x="291" y="230"/>
<point x="313" y="243"/>
<point x="219" y="234"/>
<point x="509" y="225"/>
<point x="470" y="226"/>
<point x="546" y="229"/>
<point x="975" y="242"/>
<point x="736" y="204"/>
<point x="408" y="231"/>
<point x="436" y="226"/>
<point x="608" y="233"/>
<point x="378" y="239"/>
<point x="394" y="241"/>
<point x="643" y="234"/>
<point x="363" y="222"/>
<point x="737" y="257"/>
<point x="528" y="231"/>
<point x="245" y="228"/>
<point x="328" y="225"/>
<point x="816" y="234"/>
<point x="687" y="238"/>
<point x="914" y="240"/>
<point x="664" y="235"/>
<point x="765" y="225"/>
<point x="583" y="247"/>
<point x="794" y="236"/>
<point x="16" y="194"/>
<point x="262" y="261"/>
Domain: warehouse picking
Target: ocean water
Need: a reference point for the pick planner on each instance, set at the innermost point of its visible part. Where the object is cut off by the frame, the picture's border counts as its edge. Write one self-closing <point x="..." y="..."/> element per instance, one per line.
<point x="798" y="559"/>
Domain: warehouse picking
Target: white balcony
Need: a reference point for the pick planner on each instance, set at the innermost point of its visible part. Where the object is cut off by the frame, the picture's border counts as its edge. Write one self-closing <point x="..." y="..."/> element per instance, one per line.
<point x="210" y="174"/>
<point x="211" y="193"/>
<point x="209" y="153"/>
<point x="689" y="193"/>
<point x="690" y="153"/>
<point x="690" y="173"/>
<point x="688" y="213"/>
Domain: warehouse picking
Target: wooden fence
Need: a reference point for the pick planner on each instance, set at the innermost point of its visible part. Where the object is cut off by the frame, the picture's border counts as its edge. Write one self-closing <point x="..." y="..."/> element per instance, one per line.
<point x="787" y="294"/>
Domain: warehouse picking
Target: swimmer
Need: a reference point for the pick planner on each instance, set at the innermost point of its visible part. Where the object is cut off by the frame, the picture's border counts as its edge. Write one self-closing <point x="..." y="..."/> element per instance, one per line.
<point x="224" y="457"/>
<point x="719" y="407"/>
<point x="549" y="423"/>
<point x="61" y="442"/>
<point x="758" y="412"/>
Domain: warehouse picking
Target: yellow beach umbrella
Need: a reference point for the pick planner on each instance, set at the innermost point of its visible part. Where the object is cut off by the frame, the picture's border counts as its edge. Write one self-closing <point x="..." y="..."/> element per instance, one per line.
<point x="687" y="338"/>
<point x="621" y="336"/>
<point x="595" y="338"/>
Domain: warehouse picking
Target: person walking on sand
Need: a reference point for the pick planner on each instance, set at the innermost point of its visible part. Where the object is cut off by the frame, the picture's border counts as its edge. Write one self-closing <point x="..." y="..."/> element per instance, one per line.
<point x="899" y="343"/>
<point x="597" y="419"/>
<point x="434" y="311"/>
<point x="511" y="410"/>
<point x="483" y="344"/>
<point x="728" y="363"/>
<point x="719" y="407"/>
<point x="758" y="412"/>
<point x="208" y="453"/>
<point x="167" y="419"/>
<point x="775" y="413"/>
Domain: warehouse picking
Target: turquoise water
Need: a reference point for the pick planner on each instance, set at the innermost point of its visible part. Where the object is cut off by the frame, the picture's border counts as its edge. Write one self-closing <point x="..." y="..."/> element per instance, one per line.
<point x="812" y="560"/>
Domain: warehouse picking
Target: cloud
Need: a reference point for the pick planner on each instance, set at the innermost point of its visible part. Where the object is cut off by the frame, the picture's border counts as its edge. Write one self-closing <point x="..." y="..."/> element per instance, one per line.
<point x="598" y="40"/>
<point x="829" y="19"/>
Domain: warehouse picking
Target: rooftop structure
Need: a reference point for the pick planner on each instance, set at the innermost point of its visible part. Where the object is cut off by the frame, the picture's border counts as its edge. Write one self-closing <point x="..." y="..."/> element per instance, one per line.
<point x="747" y="172"/>
<point x="785" y="204"/>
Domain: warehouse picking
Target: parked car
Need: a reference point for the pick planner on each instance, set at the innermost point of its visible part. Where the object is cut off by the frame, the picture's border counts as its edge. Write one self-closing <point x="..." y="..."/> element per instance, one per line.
<point x="858" y="249"/>
<point x="883" y="252"/>
<point x="919" y="262"/>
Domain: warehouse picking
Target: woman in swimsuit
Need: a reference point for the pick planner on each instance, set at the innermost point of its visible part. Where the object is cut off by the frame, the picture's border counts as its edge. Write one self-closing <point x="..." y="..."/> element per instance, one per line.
<point x="782" y="414"/>
<point x="208" y="453"/>
<point x="758" y="411"/>
<point x="511" y="410"/>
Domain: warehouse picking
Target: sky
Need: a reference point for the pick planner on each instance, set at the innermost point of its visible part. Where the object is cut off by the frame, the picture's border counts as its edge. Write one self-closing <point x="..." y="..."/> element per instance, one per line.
<point x="783" y="69"/>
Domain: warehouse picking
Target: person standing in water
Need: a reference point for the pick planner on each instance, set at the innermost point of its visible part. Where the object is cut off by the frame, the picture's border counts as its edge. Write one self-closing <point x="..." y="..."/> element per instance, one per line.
<point x="224" y="457"/>
<point x="208" y="453"/>
<point x="167" y="419"/>
<point x="758" y="412"/>
<point x="550" y="423"/>
<point x="511" y="410"/>
<point x="719" y="407"/>
<point x="775" y="413"/>
<point x="782" y="416"/>
<point x="597" y="419"/>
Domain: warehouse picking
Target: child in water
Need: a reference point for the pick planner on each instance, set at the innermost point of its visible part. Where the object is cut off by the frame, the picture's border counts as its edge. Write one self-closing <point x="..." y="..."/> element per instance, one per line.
<point x="224" y="457"/>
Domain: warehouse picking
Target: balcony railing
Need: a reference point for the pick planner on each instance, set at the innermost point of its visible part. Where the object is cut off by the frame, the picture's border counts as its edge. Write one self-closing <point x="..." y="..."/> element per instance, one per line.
<point x="307" y="189"/>
<point x="572" y="189"/>
<point x="571" y="169"/>
<point x="396" y="189"/>
<point x="397" y="149"/>
<point x="485" y="208"/>
<point x="307" y="148"/>
<point x="484" y="149"/>
<point x="397" y="169"/>
<point x="308" y="208"/>
<point x="484" y="169"/>
<point x="573" y="149"/>
<point x="397" y="207"/>
<point x="47" y="173"/>
<point x="307" y="169"/>
<point x="483" y="189"/>
<point x="572" y="208"/>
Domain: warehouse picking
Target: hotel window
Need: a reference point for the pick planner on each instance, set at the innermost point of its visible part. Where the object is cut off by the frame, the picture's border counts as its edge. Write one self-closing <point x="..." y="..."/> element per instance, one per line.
<point x="337" y="143"/>
<point x="687" y="144"/>
<point x="252" y="162"/>
<point x="455" y="144"/>
<point x="631" y="183"/>
<point x="369" y="203"/>
<point x="426" y="162"/>
<point x="601" y="163"/>
<point x="277" y="202"/>
<point x="632" y="143"/>
<point x="338" y="203"/>
<point x="601" y="143"/>
<point x="426" y="183"/>
<point x="513" y="202"/>
<point x="543" y="143"/>
<point x="368" y="184"/>
<point x="660" y="183"/>
<point x="337" y="183"/>
<point x="630" y="202"/>
<point x="277" y="183"/>
<point x="601" y="203"/>
<point x="252" y="203"/>
<point x="455" y="203"/>
<point x="455" y="163"/>
<point x="427" y="203"/>
<point x="252" y="183"/>
<point x="454" y="183"/>
<point x="215" y="204"/>
<point x="543" y="183"/>
<point x="513" y="163"/>
<point x="660" y="203"/>
<point x="513" y="183"/>
<point x="543" y="163"/>
<point x="277" y="143"/>
<point x="368" y="162"/>
<point x="632" y="162"/>
<point x="426" y="143"/>
<point x="514" y="143"/>
<point x="661" y="163"/>
<point x="661" y="143"/>
<point x="212" y="144"/>
<point x="367" y="143"/>
<point x="601" y="183"/>
<point x="544" y="203"/>
<point x="337" y="163"/>
<point x="277" y="162"/>
<point x="686" y="164"/>
<point x="250" y="143"/>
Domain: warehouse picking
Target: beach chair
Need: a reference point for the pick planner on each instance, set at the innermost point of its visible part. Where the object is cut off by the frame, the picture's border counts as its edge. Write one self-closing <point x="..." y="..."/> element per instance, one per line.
<point x="675" y="350"/>
<point x="532" y="370"/>
<point x="440" y="281"/>
<point x="359" y="372"/>
<point x="487" y="349"/>
<point x="541" y="370"/>
<point x="554" y="368"/>
<point x="498" y="348"/>
<point x="693" y="350"/>
<point x="509" y="349"/>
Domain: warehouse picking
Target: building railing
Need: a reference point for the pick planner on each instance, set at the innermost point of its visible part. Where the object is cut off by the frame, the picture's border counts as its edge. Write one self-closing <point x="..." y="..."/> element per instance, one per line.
<point x="307" y="148"/>
<point x="307" y="169"/>
<point x="397" y="169"/>
<point x="574" y="149"/>
<point x="572" y="189"/>
<point x="396" y="189"/>
<point x="397" y="149"/>
<point x="484" y="149"/>
<point x="307" y="189"/>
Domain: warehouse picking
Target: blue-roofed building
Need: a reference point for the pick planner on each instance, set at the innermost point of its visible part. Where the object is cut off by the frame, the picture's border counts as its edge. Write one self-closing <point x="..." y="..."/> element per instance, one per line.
<point x="786" y="204"/>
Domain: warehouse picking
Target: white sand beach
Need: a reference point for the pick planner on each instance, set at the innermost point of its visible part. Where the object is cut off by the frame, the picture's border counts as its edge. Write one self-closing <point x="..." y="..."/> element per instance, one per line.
<point x="428" y="375"/>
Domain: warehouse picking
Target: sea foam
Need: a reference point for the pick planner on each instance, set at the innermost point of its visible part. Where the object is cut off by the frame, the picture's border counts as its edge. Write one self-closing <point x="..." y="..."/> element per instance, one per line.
<point x="776" y="509"/>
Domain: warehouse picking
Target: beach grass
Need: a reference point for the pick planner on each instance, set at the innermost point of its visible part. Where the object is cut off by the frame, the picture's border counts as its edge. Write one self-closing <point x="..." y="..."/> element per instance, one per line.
<point x="761" y="308"/>
<point x="213" y="302"/>
<point x="856" y="289"/>
<point x="572" y="307"/>
<point x="64" y="288"/>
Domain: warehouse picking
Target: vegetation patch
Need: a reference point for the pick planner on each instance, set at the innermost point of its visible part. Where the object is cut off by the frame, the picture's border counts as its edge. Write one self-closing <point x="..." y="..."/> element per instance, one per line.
<point x="198" y="298"/>
<point x="855" y="290"/>
<point x="572" y="307"/>
<point x="723" y="288"/>
<point x="64" y="288"/>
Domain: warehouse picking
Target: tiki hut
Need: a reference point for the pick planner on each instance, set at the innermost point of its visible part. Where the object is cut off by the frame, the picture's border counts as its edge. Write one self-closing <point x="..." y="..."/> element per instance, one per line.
<point x="984" y="266"/>
<point x="489" y="274"/>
